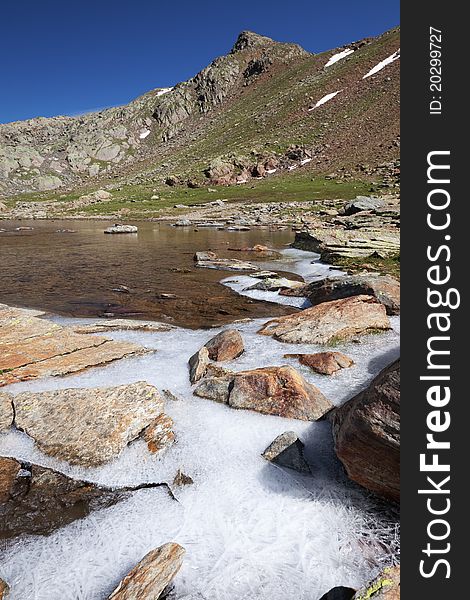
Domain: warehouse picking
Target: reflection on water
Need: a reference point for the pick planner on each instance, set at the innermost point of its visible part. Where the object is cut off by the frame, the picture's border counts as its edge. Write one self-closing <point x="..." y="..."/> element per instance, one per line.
<point x="75" y="273"/>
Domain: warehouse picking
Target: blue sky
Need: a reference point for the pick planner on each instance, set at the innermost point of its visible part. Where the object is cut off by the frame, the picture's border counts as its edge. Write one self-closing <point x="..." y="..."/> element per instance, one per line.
<point x="65" y="57"/>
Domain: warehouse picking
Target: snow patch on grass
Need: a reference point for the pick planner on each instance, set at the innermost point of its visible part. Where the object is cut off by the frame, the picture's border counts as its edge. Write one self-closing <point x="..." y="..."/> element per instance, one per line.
<point x="325" y="99"/>
<point x="336" y="57"/>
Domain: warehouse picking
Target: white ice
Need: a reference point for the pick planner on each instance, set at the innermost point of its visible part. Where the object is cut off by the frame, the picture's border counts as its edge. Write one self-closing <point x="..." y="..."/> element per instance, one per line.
<point x="383" y="64"/>
<point x="305" y="161"/>
<point x="143" y="134"/>
<point x="336" y="57"/>
<point x="252" y="531"/>
<point x="325" y="99"/>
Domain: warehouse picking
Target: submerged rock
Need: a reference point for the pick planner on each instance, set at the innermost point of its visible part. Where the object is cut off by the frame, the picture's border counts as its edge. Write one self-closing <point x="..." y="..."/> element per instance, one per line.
<point x="366" y="432"/>
<point x="280" y="391"/>
<point x="210" y="260"/>
<point x="273" y="284"/>
<point x="329" y="322"/>
<point x="325" y="363"/>
<point x="226" y="345"/>
<point x="6" y="411"/>
<point x="117" y="228"/>
<point x="287" y="451"/>
<point x="198" y="365"/>
<point x="386" y="586"/>
<point x="37" y="500"/>
<point x="87" y="427"/>
<point x="383" y="287"/>
<point x="151" y="575"/>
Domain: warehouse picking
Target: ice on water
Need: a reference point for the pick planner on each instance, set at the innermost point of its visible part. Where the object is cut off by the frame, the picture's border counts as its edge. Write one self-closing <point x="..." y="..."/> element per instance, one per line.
<point x="251" y="530"/>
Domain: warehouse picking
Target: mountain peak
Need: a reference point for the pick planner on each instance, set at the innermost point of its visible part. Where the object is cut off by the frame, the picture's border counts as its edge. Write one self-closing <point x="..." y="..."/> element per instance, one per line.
<point x="249" y="39"/>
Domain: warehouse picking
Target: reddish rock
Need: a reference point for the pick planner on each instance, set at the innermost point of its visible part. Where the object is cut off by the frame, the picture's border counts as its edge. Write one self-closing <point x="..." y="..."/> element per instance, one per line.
<point x="4" y="589"/>
<point x="325" y="363"/>
<point x="226" y="345"/>
<point x="198" y="365"/>
<point x="159" y="435"/>
<point x="151" y="575"/>
<point x="329" y="322"/>
<point x="280" y="391"/>
<point x="366" y="431"/>
<point x="386" y="586"/>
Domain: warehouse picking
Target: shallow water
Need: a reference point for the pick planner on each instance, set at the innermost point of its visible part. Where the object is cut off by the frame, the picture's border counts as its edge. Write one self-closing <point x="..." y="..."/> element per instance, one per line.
<point x="252" y="531"/>
<point x="75" y="273"/>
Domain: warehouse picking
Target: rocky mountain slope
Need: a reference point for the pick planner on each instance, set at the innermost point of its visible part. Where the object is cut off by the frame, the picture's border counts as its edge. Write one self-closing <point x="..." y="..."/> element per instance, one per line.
<point x="264" y="108"/>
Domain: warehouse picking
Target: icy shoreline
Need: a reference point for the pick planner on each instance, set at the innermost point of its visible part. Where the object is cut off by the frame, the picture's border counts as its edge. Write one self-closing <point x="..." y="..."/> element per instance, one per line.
<point x="251" y="530"/>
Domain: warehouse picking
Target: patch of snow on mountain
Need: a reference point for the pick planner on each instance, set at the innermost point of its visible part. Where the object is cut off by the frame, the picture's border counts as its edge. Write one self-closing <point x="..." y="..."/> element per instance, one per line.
<point x="383" y="64"/>
<point x="325" y="99"/>
<point x="336" y="57"/>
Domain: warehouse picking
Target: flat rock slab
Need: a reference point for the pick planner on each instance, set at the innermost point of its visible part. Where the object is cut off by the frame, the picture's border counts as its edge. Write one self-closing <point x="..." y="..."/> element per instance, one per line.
<point x="122" y="325"/>
<point x="210" y="260"/>
<point x="280" y="391"/>
<point x="36" y="500"/>
<point x="87" y="427"/>
<point x="330" y="322"/>
<point x="32" y="347"/>
<point x="151" y="575"/>
<point x="348" y="243"/>
<point x="121" y="229"/>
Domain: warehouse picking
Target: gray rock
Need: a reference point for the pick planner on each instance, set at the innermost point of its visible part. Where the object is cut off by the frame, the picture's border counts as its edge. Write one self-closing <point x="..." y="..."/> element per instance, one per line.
<point x="198" y="365"/>
<point x="87" y="426"/>
<point x="362" y="203"/>
<point x="117" y="228"/>
<point x="287" y="450"/>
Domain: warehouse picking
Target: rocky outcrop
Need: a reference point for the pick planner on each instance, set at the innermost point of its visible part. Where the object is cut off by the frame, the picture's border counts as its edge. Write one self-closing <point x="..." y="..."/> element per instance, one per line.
<point x="386" y="586"/>
<point x="89" y="427"/>
<point x="151" y="575"/>
<point x="6" y="411"/>
<point x="279" y="391"/>
<point x="383" y="287"/>
<point x="198" y="365"/>
<point x="329" y="322"/>
<point x="325" y="363"/>
<point x="32" y="347"/>
<point x="287" y="450"/>
<point x="36" y="500"/>
<point x="226" y="345"/>
<point x="366" y="432"/>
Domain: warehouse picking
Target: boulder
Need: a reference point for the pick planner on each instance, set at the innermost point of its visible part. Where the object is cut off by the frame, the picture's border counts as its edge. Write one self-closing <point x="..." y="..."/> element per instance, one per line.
<point x="325" y="363"/>
<point x="37" y="500"/>
<point x="87" y="427"/>
<point x="287" y="451"/>
<point x="386" y="586"/>
<point x="279" y="391"/>
<point x="361" y="203"/>
<point x="117" y="228"/>
<point x="6" y="411"/>
<point x="383" y="287"/>
<point x="226" y="345"/>
<point x="198" y="364"/>
<point x="366" y="432"/>
<point x="151" y="575"/>
<point x="329" y="322"/>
